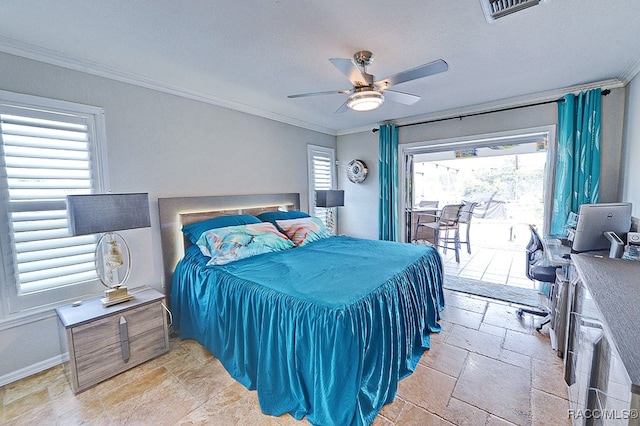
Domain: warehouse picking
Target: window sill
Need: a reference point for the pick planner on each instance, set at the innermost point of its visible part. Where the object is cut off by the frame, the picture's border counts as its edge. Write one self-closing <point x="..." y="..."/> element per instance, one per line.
<point x="23" y="318"/>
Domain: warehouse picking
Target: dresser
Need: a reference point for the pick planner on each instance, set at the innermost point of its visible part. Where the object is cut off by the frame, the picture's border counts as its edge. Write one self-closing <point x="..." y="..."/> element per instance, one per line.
<point x="602" y="360"/>
<point x="103" y="342"/>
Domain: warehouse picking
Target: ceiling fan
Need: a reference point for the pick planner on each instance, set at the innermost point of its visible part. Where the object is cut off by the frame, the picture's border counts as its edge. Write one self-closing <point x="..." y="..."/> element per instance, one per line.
<point x="367" y="94"/>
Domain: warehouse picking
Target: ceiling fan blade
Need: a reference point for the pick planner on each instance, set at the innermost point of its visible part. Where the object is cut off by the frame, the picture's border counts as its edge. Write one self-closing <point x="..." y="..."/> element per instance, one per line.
<point x="401" y="98"/>
<point x="351" y="70"/>
<point x="330" y="92"/>
<point x="425" y="70"/>
<point x="343" y="108"/>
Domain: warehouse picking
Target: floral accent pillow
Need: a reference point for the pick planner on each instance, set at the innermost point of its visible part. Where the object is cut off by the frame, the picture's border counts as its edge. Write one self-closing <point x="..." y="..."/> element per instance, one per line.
<point x="231" y="243"/>
<point x="304" y="230"/>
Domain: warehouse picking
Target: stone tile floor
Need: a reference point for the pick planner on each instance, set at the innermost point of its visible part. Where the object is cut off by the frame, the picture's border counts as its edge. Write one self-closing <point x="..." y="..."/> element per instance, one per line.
<point x="486" y="367"/>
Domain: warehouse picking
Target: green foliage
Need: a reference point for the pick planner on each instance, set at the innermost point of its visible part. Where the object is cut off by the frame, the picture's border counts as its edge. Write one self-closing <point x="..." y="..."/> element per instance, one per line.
<point x="508" y="182"/>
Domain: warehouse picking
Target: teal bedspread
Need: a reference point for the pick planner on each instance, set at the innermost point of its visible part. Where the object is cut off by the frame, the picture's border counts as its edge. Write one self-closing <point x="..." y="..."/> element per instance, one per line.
<point x="324" y="330"/>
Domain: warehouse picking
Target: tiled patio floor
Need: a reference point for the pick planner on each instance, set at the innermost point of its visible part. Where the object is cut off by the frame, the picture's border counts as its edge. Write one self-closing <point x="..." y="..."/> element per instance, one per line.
<point x="497" y="254"/>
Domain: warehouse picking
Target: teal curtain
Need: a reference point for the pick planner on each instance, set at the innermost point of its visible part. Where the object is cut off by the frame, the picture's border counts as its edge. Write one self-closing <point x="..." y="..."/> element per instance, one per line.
<point x="578" y="156"/>
<point x="388" y="179"/>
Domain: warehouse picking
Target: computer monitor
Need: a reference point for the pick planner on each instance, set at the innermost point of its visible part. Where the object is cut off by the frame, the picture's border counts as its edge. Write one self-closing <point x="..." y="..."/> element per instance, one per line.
<point x="596" y="219"/>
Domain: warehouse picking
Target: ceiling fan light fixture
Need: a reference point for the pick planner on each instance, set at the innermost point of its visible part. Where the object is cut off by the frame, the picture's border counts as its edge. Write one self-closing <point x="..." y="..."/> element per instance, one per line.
<point x="366" y="100"/>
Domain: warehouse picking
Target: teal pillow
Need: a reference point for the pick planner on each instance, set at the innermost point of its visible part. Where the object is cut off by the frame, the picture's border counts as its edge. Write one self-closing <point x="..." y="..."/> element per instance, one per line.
<point x="224" y="245"/>
<point x="278" y="215"/>
<point x="193" y="231"/>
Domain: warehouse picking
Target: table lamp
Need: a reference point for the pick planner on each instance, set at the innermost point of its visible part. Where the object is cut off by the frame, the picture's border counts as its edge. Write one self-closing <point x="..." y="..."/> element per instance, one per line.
<point x="104" y="214"/>
<point x="330" y="198"/>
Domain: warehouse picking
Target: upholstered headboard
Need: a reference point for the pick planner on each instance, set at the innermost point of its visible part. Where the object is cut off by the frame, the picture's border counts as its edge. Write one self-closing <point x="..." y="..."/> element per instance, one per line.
<point x="178" y="211"/>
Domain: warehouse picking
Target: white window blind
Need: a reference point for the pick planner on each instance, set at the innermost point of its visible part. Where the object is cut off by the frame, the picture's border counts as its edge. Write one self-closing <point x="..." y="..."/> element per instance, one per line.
<point x="46" y="155"/>
<point x="321" y="176"/>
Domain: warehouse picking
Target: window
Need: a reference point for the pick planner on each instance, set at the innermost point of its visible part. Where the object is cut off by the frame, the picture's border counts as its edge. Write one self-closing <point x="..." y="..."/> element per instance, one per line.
<point x="48" y="149"/>
<point x="322" y="175"/>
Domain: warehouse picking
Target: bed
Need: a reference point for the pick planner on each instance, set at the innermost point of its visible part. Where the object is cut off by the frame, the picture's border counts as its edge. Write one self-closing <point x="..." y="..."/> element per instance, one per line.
<point x="324" y="330"/>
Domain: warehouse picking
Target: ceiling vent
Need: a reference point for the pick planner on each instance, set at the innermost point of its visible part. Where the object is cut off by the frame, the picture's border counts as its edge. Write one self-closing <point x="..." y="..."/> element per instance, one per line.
<point x="494" y="9"/>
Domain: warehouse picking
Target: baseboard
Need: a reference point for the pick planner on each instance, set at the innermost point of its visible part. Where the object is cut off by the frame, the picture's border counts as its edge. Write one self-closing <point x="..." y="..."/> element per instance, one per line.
<point x="33" y="369"/>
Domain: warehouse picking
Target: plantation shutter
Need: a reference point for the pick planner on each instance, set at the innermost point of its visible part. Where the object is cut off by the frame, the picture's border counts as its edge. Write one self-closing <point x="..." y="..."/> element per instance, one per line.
<point x="45" y="156"/>
<point x="321" y="176"/>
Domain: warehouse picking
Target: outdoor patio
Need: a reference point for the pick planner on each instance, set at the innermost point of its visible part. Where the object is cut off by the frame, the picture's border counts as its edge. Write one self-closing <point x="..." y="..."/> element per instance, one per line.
<point x="497" y="254"/>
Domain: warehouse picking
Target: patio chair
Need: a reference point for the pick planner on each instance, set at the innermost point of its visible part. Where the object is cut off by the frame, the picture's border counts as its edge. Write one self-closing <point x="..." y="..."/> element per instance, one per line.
<point x="424" y="213"/>
<point x="466" y="214"/>
<point x="446" y="221"/>
<point x="424" y="204"/>
<point x="536" y="270"/>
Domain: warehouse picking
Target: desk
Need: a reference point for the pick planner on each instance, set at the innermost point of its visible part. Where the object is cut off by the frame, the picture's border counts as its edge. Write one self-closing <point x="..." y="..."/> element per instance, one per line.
<point x="602" y="368"/>
<point x="556" y="253"/>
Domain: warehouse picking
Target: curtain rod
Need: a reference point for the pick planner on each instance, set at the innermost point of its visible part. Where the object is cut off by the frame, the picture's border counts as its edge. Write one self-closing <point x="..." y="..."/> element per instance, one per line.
<point x="605" y="92"/>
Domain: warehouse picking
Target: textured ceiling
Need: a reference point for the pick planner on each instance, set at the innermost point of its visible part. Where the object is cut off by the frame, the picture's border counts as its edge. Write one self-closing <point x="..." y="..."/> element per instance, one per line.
<point x="249" y="56"/>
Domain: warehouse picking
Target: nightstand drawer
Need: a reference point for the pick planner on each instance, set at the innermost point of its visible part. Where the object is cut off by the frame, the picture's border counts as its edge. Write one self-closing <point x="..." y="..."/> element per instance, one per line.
<point x="106" y="332"/>
<point x="106" y="361"/>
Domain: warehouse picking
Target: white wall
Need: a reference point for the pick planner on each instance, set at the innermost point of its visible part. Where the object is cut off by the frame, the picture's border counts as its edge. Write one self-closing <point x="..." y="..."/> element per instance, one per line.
<point x="359" y="217"/>
<point x="164" y="145"/>
<point x="630" y="185"/>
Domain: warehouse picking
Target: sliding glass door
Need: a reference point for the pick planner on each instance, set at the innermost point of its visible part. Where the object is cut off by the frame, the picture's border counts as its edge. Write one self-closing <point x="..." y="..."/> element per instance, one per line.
<point x="505" y="174"/>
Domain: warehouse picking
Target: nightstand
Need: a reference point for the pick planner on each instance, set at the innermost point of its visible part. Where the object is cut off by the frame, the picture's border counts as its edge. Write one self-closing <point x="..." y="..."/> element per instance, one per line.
<point x="104" y="342"/>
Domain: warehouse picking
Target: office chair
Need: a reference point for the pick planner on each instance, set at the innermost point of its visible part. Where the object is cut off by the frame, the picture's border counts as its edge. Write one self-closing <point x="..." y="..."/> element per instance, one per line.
<point x="537" y="271"/>
<point x="446" y="221"/>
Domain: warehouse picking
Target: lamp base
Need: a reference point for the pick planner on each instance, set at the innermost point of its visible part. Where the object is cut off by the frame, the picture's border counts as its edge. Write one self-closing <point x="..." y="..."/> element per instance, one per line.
<point x="116" y="295"/>
<point x="331" y="224"/>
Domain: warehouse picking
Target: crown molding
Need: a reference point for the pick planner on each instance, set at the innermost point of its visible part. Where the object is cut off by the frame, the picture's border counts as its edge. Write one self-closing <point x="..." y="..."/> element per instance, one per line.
<point x="500" y="104"/>
<point x="517" y="101"/>
<point x="52" y="57"/>
<point x="631" y="72"/>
